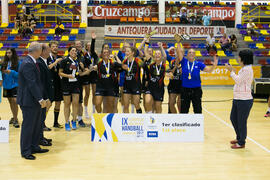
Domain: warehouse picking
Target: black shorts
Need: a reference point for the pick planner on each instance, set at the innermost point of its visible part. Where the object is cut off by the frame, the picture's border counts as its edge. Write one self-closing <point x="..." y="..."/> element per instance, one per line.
<point x="175" y="87"/>
<point x="10" y="93"/>
<point x="103" y="92"/>
<point x="84" y="80"/>
<point x="71" y="88"/>
<point x="116" y="91"/>
<point x="133" y="91"/>
<point x="158" y="95"/>
<point x="93" y="77"/>
<point x="58" y="92"/>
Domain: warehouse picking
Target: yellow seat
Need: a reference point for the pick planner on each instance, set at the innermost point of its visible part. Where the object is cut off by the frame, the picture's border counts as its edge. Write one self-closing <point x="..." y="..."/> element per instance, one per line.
<point x="218" y="45"/>
<point x="41" y="11"/>
<point x="260" y="46"/>
<point x="198" y="53"/>
<point x="172" y="2"/>
<point x="71" y="6"/>
<point x="14" y="31"/>
<point x="64" y="38"/>
<point x="248" y="39"/>
<point x="268" y="53"/>
<point x="19" y="6"/>
<point x="37" y="6"/>
<point x="200" y="3"/>
<point x="233" y="62"/>
<point x="51" y="31"/>
<point x="66" y="53"/>
<point x="74" y="31"/>
<point x="4" y="25"/>
<point x="2" y="53"/>
<point x="244" y="8"/>
<point x="222" y="3"/>
<point x="264" y="32"/>
<point x="34" y="38"/>
<point x="137" y="45"/>
<point x="68" y="1"/>
<point x="83" y="25"/>
<point x="27" y="45"/>
<point x="11" y="1"/>
<point x="1" y="45"/>
<point x="114" y="2"/>
<point x="29" y="2"/>
<point x="221" y="53"/>
<point x="121" y="45"/>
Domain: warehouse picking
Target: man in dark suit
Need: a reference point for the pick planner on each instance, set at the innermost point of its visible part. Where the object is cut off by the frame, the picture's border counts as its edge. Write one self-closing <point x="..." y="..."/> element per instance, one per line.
<point x="47" y="94"/>
<point x="30" y="100"/>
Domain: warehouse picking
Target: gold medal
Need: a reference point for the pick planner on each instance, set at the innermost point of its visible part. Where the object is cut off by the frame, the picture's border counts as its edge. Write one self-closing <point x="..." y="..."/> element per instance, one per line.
<point x="107" y="75"/>
<point x="189" y="76"/>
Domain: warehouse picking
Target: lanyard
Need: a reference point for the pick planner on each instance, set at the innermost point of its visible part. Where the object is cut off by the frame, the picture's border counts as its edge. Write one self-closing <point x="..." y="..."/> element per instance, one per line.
<point x="190" y="70"/>
<point x="52" y="58"/>
<point x="91" y="59"/>
<point x="76" y="64"/>
<point x="130" y="68"/>
<point x="107" y="68"/>
<point x="158" y="70"/>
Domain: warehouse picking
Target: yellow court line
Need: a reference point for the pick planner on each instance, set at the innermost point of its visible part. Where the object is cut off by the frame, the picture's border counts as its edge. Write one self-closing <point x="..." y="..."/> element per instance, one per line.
<point x="228" y="125"/>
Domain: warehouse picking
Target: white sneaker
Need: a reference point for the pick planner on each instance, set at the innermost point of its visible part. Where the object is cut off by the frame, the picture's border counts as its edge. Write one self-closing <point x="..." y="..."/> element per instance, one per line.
<point x="86" y="115"/>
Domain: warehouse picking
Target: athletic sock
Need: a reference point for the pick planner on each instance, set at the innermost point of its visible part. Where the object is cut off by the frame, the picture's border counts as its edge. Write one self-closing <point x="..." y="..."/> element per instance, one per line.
<point x="56" y="115"/>
<point x="132" y="108"/>
<point x="139" y="111"/>
<point x="93" y="108"/>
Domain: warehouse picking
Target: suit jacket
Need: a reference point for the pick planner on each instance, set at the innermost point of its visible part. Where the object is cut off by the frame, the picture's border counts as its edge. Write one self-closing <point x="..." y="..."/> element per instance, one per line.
<point x="29" y="85"/>
<point x="46" y="80"/>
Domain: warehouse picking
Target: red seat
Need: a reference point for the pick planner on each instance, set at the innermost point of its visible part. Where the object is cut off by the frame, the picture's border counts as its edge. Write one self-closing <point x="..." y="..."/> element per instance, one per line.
<point x="37" y="31"/>
<point x="264" y="53"/>
<point x="3" y="38"/>
<point x="260" y="26"/>
<point x="76" y="25"/>
<point x="61" y="53"/>
<point x="263" y="62"/>
<point x="25" y="53"/>
<point x="22" y="46"/>
<point x="47" y="25"/>
<point x="42" y="38"/>
<point x="268" y="38"/>
<point x="186" y="45"/>
<point x="115" y="45"/>
<point x="164" y="45"/>
<point x="267" y="46"/>
<point x="207" y="62"/>
<point x="18" y="38"/>
<point x="7" y="31"/>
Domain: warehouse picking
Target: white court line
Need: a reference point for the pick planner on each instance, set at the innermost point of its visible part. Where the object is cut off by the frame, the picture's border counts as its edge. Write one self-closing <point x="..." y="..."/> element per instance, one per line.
<point x="228" y="125"/>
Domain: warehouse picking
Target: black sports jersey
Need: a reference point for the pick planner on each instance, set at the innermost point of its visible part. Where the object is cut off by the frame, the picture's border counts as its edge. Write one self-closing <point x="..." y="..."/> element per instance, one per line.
<point x="55" y="70"/>
<point x="132" y="75"/>
<point x="156" y="74"/>
<point x="106" y="74"/>
<point x="175" y="84"/>
<point x="146" y="64"/>
<point x="69" y="66"/>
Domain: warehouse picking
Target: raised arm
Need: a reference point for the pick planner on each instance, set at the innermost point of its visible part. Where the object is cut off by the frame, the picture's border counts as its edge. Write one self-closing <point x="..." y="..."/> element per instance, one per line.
<point x="147" y="55"/>
<point x="179" y="49"/>
<point x="162" y="51"/>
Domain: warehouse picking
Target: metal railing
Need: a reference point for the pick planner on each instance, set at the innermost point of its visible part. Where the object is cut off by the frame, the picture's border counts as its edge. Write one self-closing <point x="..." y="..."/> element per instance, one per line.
<point x="255" y="13"/>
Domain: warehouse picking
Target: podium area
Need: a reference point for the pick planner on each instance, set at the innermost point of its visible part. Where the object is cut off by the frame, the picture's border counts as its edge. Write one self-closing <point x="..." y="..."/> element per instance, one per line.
<point x="74" y="156"/>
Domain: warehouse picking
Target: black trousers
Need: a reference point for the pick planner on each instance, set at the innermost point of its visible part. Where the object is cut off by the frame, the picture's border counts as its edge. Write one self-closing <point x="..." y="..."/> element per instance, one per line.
<point x="30" y="131"/>
<point x="239" y="115"/>
<point x="42" y="125"/>
<point x="193" y="95"/>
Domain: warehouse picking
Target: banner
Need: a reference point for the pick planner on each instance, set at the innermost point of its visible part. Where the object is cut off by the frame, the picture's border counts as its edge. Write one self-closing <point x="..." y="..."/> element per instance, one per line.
<point x="4" y="131"/>
<point x="147" y="127"/>
<point x="163" y="31"/>
<point x="116" y="12"/>
<point x="221" y="76"/>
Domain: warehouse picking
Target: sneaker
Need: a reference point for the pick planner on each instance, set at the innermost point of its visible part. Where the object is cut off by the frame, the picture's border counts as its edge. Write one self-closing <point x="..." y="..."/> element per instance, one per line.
<point x="67" y="127"/>
<point x="46" y="129"/>
<point x="57" y="126"/>
<point x="16" y="124"/>
<point x="81" y="123"/>
<point x="73" y="125"/>
<point x="11" y="121"/>
<point x="267" y="114"/>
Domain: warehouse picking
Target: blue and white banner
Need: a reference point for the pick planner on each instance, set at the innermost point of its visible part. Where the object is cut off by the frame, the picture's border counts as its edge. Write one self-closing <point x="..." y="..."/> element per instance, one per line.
<point x="147" y="127"/>
<point x="4" y="131"/>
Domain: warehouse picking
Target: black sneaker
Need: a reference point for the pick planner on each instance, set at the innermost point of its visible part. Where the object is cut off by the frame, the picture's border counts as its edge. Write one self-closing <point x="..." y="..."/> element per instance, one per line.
<point x="57" y="125"/>
<point x="81" y="123"/>
<point x="16" y="124"/>
<point x="46" y="129"/>
<point x="11" y="121"/>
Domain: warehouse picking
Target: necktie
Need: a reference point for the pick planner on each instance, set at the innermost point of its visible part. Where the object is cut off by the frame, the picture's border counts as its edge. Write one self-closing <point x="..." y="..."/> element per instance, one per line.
<point x="37" y="67"/>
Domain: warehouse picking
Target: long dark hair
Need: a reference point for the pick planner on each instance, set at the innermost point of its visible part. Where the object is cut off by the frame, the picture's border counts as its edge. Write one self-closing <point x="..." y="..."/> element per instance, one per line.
<point x="14" y="59"/>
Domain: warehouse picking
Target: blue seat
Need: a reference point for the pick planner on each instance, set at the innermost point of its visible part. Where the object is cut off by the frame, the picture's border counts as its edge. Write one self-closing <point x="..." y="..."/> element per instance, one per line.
<point x="40" y="25"/>
<point x="252" y="46"/>
<point x="268" y="61"/>
<point x="49" y="38"/>
<point x="10" y="38"/>
<point x="1" y="31"/>
<point x="201" y="46"/>
<point x="81" y="31"/>
<point x="60" y="2"/>
<point x="261" y="38"/>
<point x="11" y="25"/>
<point x="170" y="45"/>
<point x="72" y="38"/>
<point x="110" y="45"/>
<point x="14" y="45"/>
<point x="229" y="54"/>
